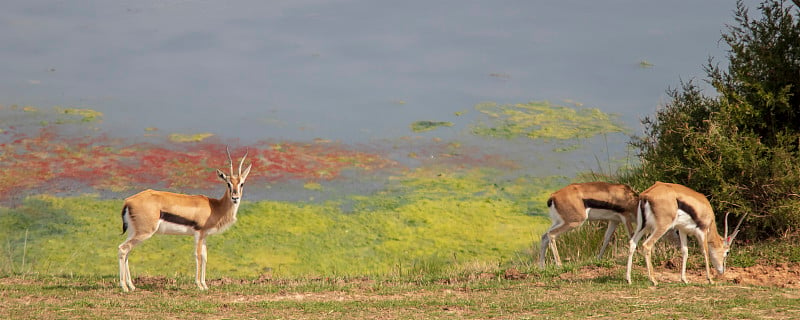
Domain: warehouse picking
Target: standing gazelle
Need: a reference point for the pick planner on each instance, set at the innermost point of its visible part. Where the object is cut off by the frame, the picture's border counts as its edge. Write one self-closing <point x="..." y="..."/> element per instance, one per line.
<point x="665" y="206"/>
<point x="150" y="212"/>
<point x="572" y="205"/>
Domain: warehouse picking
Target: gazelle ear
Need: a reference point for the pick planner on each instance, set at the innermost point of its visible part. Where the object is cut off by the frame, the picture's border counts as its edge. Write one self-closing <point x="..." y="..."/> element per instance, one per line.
<point x="222" y="175"/>
<point x="730" y="238"/>
<point x="244" y="174"/>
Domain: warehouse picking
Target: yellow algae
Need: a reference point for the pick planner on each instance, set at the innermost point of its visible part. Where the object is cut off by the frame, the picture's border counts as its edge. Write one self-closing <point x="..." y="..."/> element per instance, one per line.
<point x="542" y="120"/>
<point x="87" y="115"/>
<point x="311" y="185"/>
<point x="197" y="137"/>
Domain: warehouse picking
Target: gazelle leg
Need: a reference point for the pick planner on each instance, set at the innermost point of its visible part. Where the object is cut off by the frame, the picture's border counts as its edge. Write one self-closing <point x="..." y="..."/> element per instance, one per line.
<point x="200" y="257"/>
<point x="543" y="250"/>
<point x="124" y="273"/>
<point x="701" y="238"/>
<point x="125" y="280"/>
<point x="549" y="238"/>
<point x="203" y="271"/>
<point x="647" y="246"/>
<point x="554" y="249"/>
<point x="684" y="254"/>
<point x="612" y="225"/>
<point x="631" y="251"/>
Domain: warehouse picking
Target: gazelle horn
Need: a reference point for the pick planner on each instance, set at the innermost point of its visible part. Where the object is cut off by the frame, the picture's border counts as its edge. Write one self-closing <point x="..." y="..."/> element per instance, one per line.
<point x="735" y="230"/>
<point x="228" y="151"/>
<point x="242" y="162"/>
<point x="726" y="225"/>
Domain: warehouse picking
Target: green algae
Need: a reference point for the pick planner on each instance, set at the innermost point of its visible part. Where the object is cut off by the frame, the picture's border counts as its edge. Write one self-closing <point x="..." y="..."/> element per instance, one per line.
<point x="543" y="120"/>
<point x="425" y="125"/>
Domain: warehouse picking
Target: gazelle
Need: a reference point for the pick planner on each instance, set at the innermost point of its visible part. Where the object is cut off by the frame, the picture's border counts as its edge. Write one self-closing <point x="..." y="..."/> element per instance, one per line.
<point x="572" y="205"/>
<point x="150" y="212"/>
<point x="664" y="206"/>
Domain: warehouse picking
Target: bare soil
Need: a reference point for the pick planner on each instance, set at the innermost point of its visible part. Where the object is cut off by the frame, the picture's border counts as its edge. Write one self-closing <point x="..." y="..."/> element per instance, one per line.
<point x="782" y="275"/>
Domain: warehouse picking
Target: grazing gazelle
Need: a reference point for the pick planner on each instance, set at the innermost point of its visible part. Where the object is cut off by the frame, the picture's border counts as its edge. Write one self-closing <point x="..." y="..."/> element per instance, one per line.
<point x="150" y="212"/>
<point x="574" y="204"/>
<point x="665" y="206"/>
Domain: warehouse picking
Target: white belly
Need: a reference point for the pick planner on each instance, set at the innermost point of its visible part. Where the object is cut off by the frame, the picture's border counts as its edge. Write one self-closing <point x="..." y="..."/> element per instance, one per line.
<point x="602" y="214"/>
<point x="165" y="227"/>
<point x="220" y="229"/>
<point x="684" y="222"/>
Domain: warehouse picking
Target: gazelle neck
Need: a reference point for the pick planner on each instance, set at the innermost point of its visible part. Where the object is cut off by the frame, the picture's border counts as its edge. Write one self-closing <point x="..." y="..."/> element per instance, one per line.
<point x="714" y="239"/>
<point x="226" y="205"/>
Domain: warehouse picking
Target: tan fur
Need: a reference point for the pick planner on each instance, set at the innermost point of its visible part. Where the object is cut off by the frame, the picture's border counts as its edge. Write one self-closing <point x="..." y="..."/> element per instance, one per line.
<point x="568" y="211"/>
<point x="142" y="212"/>
<point x="659" y="208"/>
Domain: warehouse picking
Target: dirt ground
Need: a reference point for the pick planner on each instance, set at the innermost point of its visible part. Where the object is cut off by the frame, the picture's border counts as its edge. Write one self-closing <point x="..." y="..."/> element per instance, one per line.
<point x="780" y="275"/>
<point x="784" y="275"/>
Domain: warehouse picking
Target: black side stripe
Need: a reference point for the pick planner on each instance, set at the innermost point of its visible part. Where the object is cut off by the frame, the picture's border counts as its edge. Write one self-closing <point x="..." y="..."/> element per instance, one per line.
<point x="599" y="204"/>
<point x="691" y="212"/>
<point x="549" y="202"/>
<point x="124" y="223"/>
<point x="643" y="214"/>
<point x="169" y="217"/>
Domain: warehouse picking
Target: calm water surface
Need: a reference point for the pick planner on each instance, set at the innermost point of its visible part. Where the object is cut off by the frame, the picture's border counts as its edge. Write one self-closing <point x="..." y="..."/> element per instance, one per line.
<point x="356" y="71"/>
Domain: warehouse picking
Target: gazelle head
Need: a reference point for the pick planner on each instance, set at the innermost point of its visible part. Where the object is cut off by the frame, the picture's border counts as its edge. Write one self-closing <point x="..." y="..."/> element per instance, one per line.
<point x="718" y="255"/>
<point x="235" y="181"/>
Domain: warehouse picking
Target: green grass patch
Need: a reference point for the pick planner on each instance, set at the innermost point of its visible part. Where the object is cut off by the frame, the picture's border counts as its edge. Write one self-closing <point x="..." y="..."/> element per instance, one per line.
<point x="425" y="222"/>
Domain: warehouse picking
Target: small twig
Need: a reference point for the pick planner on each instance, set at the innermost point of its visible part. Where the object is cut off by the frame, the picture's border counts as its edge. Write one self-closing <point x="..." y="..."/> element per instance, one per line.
<point x="731" y="203"/>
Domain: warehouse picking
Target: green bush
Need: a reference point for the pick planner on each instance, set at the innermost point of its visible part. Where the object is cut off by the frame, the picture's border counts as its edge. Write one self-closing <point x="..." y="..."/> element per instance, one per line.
<point x="741" y="146"/>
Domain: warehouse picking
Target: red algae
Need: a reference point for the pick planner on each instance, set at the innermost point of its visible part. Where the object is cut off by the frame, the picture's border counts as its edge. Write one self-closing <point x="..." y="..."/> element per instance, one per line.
<point x="48" y="159"/>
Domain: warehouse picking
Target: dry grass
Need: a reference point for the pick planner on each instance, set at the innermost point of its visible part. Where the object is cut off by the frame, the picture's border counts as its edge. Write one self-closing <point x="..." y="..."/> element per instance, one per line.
<point x="587" y="291"/>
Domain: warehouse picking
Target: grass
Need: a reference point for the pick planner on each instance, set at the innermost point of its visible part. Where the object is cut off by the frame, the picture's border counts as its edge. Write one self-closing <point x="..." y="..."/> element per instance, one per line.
<point x="426" y="220"/>
<point x="541" y="295"/>
<point x="432" y="286"/>
<point x="435" y="243"/>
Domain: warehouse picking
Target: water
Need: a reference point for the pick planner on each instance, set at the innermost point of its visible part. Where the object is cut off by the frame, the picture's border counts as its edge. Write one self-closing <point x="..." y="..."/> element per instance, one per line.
<point x="346" y="70"/>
